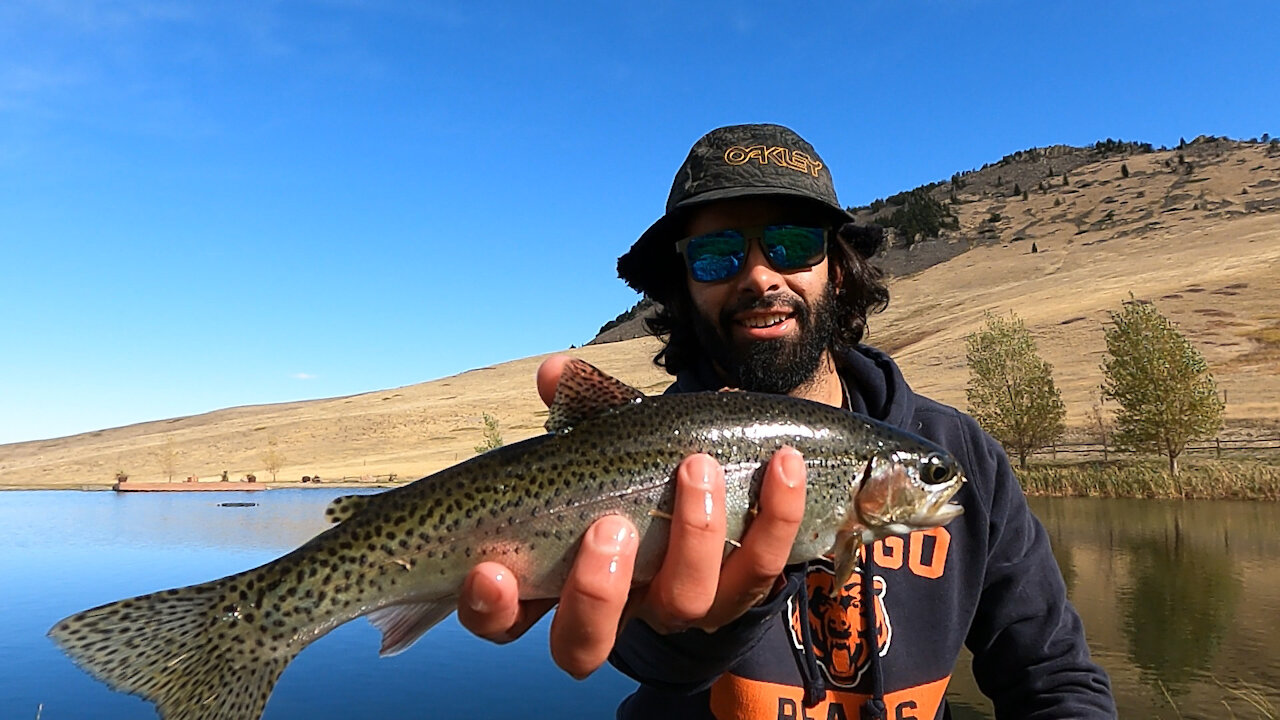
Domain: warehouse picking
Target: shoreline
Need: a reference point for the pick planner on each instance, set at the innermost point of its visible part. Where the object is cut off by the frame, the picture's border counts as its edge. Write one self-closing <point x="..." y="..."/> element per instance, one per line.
<point x="261" y="486"/>
<point x="1148" y="478"/>
<point x="1132" y="478"/>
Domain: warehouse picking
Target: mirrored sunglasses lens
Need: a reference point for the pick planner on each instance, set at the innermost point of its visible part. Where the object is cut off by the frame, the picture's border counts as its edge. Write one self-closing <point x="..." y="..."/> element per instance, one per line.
<point x="715" y="256"/>
<point x="791" y="247"/>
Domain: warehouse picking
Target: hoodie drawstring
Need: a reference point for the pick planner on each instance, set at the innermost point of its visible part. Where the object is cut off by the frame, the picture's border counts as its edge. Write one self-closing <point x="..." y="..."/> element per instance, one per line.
<point x="815" y="689"/>
<point x="873" y="708"/>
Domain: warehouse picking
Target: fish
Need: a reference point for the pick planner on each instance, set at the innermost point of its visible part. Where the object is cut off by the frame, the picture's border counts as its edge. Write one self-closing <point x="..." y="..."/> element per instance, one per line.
<point x="214" y="651"/>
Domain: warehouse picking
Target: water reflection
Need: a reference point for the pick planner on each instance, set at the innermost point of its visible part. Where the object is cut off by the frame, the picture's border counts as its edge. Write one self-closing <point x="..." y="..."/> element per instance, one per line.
<point x="1178" y="607"/>
<point x="1066" y="562"/>
<point x="1179" y="599"/>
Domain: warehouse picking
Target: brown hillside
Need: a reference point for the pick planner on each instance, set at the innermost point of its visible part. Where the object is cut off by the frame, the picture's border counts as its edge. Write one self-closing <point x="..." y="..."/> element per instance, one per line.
<point x="1202" y="241"/>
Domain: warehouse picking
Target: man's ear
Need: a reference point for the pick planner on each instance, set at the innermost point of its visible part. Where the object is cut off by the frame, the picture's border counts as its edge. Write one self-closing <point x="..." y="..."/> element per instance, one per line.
<point x="835" y="270"/>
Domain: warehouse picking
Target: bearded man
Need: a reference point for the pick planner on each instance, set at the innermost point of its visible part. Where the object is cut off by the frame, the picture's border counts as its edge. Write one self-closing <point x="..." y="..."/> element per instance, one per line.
<point x="764" y="284"/>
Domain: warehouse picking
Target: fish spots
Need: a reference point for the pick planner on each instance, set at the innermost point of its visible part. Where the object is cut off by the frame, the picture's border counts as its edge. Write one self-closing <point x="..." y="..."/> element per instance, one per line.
<point x="525" y="506"/>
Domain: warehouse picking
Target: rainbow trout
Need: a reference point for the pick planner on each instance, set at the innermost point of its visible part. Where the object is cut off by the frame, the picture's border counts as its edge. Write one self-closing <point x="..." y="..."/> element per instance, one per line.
<point x="214" y="651"/>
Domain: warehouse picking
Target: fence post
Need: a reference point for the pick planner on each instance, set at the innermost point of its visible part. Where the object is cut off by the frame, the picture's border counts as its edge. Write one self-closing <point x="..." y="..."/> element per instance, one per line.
<point x="1217" y="444"/>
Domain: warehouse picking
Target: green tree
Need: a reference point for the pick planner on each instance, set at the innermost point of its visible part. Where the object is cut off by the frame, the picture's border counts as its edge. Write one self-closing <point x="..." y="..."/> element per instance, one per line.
<point x="920" y="216"/>
<point x="492" y="434"/>
<point x="1124" y="170"/>
<point x="1166" y="393"/>
<point x="1011" y="390"/>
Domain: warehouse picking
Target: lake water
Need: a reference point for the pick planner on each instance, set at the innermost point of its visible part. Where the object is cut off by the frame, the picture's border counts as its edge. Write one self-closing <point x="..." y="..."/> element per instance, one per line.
<point x="1181" y="602"/>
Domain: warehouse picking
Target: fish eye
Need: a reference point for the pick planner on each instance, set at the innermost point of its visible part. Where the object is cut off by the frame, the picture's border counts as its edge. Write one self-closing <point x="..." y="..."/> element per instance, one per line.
<point x="937" y="470"/>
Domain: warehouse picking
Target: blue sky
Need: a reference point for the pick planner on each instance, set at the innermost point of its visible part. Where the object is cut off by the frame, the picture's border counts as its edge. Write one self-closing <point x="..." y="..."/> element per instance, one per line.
<point x="206" y="204"/>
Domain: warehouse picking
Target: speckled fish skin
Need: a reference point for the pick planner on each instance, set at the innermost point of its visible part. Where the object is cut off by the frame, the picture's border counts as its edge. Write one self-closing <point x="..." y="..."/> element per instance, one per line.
<point x="214" y="651"/>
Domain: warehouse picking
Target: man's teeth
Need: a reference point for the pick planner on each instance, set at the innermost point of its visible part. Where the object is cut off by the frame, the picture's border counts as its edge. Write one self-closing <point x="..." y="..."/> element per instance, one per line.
<point x="763" y="321"/>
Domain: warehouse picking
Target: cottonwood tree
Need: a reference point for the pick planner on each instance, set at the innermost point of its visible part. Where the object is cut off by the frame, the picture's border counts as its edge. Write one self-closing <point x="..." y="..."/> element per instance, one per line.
<point x="1166" y="393"/>
<point x="1011" y="390"/>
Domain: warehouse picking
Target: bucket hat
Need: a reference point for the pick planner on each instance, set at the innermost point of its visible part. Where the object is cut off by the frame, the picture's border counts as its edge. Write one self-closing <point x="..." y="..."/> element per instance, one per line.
<point x="736" y="161"/>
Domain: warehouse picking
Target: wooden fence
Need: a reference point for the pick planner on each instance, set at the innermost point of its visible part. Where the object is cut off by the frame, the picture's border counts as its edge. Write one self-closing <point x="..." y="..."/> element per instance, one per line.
<point x="1218" y="446"/>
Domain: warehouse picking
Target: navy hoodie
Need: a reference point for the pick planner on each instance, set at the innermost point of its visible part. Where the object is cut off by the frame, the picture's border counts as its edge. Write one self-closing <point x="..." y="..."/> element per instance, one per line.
<point x="886" y="645"/>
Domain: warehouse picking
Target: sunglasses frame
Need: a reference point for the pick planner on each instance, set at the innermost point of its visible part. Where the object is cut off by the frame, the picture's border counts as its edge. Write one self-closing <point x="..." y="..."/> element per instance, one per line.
<point x="755" y="233"/>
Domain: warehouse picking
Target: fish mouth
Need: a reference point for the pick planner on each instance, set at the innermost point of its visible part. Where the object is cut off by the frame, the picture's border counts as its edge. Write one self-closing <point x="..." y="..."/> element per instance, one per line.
<point x="903" y="492"/>
<point x="938" y="514"/>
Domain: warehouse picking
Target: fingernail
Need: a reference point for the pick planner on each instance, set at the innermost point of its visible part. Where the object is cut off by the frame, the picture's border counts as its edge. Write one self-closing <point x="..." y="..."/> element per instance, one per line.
<point x="708" y="505"/>
<point x="475" y="601"/>
<point x="792" y="468"/>
<point x="611" y="534"/>
<point x="705" y="473"/>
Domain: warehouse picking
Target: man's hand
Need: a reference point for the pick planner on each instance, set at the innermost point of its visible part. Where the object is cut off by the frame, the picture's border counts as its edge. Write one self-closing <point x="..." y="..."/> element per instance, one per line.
<point x="696" y="586"/>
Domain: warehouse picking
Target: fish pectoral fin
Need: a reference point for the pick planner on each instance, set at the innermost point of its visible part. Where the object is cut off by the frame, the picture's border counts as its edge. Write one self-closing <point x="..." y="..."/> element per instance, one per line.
<point x="846" y="561"/>
<point x="402" y="625"/>
<point x="584" y="391"/>
<point x="344" y="506"/>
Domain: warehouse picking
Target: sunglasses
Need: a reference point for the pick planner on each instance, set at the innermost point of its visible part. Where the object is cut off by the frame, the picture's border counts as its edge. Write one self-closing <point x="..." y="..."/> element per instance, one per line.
<point x="722" y="254"/>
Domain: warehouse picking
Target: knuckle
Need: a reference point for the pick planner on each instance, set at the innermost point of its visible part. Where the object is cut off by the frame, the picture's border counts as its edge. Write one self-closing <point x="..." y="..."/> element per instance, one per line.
<point x="761" y="571"/>
<point x="680" y="605"/>
<point x="676" y="606"/>
<point x="597" y="591"/>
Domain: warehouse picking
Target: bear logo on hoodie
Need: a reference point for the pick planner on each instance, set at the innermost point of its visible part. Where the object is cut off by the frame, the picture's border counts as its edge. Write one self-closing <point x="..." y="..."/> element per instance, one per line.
<point x="837" y="625"/>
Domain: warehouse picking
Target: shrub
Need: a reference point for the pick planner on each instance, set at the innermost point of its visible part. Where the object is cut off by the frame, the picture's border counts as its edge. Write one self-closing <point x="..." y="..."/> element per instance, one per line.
<point x="492" y="434"/>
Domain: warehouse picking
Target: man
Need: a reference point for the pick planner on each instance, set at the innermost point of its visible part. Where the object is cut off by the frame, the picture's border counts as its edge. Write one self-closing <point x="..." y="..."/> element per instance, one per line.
<point x="764" y="286"/>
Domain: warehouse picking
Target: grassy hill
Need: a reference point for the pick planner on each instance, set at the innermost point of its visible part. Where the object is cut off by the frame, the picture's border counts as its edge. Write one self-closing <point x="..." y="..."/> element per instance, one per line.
<point x="1194" y="229"/>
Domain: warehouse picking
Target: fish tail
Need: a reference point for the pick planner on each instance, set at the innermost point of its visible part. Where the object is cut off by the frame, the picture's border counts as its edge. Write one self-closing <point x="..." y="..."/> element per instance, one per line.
<point x="194" y="652"/>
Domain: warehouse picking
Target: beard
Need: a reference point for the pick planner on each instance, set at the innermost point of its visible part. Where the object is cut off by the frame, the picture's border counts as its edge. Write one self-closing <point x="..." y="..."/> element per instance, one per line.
<point x="773" y="366"/>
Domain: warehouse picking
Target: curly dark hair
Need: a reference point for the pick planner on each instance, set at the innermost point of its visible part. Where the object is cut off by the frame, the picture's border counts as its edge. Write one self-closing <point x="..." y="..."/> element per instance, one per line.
<point x="861" y="291"/>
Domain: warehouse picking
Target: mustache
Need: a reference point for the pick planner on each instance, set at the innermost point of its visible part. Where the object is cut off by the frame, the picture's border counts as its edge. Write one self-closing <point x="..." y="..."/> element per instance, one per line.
<point x="774" y="302"/>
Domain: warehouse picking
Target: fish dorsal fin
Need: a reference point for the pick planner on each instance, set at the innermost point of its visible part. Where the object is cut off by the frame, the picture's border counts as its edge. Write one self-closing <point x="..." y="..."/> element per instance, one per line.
<point x="345" y="506"/>
<point x="584" y="391"/>
<point x="402" y="625"/>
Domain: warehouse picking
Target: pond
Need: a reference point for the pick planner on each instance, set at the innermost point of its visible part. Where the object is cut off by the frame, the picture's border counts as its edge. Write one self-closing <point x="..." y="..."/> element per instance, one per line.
<point x="1180" y="600"/>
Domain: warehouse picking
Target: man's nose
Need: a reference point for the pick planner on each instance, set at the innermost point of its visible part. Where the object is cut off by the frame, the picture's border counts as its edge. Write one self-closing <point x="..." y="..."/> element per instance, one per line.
<point x="758" y="277"/>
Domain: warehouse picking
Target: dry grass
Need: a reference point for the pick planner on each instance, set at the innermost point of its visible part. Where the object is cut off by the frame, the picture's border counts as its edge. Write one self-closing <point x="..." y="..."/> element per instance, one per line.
<point x="1189" y="246"/>
<point x="1149" y="478"/>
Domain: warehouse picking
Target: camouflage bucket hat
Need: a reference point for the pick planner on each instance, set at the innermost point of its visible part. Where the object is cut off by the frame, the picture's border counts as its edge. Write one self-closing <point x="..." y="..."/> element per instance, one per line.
<point x="729" y="162"/>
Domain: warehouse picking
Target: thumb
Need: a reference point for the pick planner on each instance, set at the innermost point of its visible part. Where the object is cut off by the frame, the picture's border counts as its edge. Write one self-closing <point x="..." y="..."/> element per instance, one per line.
<point x="549" y="377"/>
